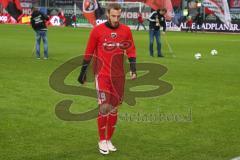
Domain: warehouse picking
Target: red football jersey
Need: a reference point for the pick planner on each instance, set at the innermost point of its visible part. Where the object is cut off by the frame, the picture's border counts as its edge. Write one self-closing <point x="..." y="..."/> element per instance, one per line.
<point x="107" y="46"/>
<point x="140" y="18"/>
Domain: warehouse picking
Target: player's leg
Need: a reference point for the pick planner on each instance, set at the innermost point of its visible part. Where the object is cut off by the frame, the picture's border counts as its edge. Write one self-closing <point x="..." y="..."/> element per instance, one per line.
<point x="102" y="121"/>
<point x="38" y="42"/>
<point x="143" y="26"/>
<point x="102" y="128"/>
<point x="45" y="44"/>
<point x="138" y="25"/>
<point x="102" y="85"/>
<point x="116" y="99"/>
<point x="196" y="27"/>
<point x="151" y="40"/>
<point x="158" y="38"/>
<point x="111" y="125"/>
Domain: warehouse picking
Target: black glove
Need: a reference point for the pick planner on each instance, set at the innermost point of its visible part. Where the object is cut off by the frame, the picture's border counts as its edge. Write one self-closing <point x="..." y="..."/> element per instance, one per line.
<point x="132" y="61"/>
<point x="82" y="77"/>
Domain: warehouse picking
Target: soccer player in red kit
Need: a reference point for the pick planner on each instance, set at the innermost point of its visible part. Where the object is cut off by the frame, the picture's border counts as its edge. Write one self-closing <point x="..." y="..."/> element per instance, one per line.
<point x="107" y="44"/>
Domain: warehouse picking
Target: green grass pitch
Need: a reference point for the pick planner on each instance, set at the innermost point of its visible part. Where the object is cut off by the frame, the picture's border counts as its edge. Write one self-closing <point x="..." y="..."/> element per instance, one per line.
<point x="206" y="91"/>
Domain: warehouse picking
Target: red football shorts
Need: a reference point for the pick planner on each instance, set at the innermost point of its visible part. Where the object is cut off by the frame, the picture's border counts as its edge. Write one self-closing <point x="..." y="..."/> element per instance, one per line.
<point x="110" y="90"/>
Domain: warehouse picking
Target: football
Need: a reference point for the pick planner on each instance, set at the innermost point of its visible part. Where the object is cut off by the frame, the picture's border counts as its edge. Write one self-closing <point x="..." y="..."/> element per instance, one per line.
<point x="214" y="52"/>
<point x="198" y="56"/>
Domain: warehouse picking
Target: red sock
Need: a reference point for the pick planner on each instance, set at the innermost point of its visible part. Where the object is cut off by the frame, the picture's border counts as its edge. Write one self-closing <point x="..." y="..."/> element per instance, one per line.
<point x="102" y="121"/>
<point x="112" y="120"/>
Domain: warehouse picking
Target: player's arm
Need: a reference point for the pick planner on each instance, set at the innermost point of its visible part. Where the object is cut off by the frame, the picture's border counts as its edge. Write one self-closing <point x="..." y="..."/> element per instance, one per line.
<point x="152" y="17"/>
<point x="82" y="76"/>
<point x="163" y="24"/>
<point x="32" y="22"/>
<point x="45" y="17"/>
<point x="133" y="70"/>
<point x="131" y="53"/>
<point x="90" y="49"/>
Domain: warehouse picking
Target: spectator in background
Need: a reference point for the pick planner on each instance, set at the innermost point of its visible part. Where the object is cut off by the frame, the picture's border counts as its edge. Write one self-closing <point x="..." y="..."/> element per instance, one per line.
<point x="199" y="22"/>
<point x="189" y="24"/>
<point x="38" y="20"/>
<point x="74" y="20"/>
<point x="156" y="20"/>
<point x="62" y="17"/>
<point x="140" y="21"/>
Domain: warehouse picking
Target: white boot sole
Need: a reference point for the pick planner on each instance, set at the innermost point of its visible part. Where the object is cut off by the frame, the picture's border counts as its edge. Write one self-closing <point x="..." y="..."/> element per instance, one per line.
<point x="103" y="152"/>
<point x="113" y="150"/>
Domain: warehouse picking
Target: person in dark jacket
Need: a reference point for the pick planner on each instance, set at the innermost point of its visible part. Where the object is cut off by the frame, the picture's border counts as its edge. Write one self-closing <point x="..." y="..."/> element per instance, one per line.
<point x="199" y="22"/>
<point x="38" y="22"/>
<point x="156" y="20"/>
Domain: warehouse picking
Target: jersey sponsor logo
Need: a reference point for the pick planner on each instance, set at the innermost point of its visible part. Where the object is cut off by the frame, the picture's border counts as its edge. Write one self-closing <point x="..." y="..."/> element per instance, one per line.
<point x="123" y="45"/>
